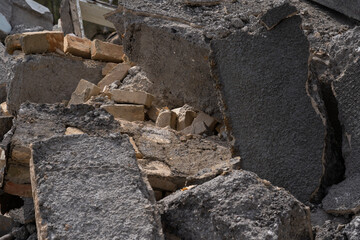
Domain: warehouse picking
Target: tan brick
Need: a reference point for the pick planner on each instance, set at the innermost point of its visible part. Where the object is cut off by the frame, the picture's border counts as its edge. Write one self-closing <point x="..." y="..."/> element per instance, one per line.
<point x="108" y="68"/>
<point x="18" y="173"/>
<point x="83" y="92"/>
<point x="153" y="113"/>
<point x="77" y="46"/>
<point x="73" y="131"/>
<point x="127" y="112"/>
<point x="12" y="43"/>
<point x="41" y="42"/>
<point x="117" y="74"/>
<point x="121" y="96"/>
<point x="166" y="118"/>
<point x="107" y="52"/>
<point x="21" y="154"/>
<point x="198" y="128"/>
<point x="185" y="117"/>
<point x="209" y="121"/>
<point x="22" y="190"/>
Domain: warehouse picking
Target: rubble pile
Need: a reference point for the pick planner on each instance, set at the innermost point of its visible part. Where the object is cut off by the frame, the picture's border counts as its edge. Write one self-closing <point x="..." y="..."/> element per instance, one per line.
<point x="212" y="120"/>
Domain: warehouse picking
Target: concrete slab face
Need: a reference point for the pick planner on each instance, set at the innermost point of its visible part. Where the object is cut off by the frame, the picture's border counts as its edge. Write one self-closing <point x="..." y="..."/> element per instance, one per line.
<point x="91" y="188"/>
<point x="350" y="8"/>
<point x="276" y="130"/>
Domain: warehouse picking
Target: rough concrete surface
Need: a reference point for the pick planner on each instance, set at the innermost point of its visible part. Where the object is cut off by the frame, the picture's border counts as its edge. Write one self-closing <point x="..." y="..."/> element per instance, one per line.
<point x="48" y="78"/>
<point x="352" y="230"/>
<point x="276" y="130"/>
<point x="235" y="206"/>
<point x="350" y="8"/>
<point x="91" y="188"/>
<point x="39" y="122"/>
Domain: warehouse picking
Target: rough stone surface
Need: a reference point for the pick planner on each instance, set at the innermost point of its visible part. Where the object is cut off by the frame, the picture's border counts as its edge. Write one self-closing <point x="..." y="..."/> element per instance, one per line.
<point x="352" y="230"/>
<point x="77" y="46"/>
<point x="171" y="159"/>
<point x="238" y="205"/>
<point x="43" y="78"/>
<point x="38" y="122"/>
<point x="348" y="7"/>
<point x="106" y="51"/>
<point x="108" y="164"/>
<point x="6" y="224"/>
<point x="25" y="214"/>
<point x="344" y="198"/>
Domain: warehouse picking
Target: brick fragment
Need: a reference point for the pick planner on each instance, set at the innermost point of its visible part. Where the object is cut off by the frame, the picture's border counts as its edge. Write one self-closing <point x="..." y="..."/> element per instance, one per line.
<point x="127" y="112"/>
<point x="41" y="42"/>
<point x="209" y="121"/>
<point x="22" y="190"/>
<point x="107" y="52"/>
<point x="166" y="118"/>
<point x="83" y="92"/>
<point x="134" y="97"/>
<point x="77" y="46"/>
<point x="117" y="74"/>
<point x="185" y="117"/>
<point x="108" y="68"/>
<point x="12" y="43"/>
<point x="153" y="113"/>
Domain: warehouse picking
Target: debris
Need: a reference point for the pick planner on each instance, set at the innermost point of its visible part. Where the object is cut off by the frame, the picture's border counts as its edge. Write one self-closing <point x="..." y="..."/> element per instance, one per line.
<point x="166" y="118"/>
<point x="127" y="112"/>
<point x="118" y="73"/>
<point x="106" y="51"/>
<point x="77" y="46"/>
<point x="83" y="92"/>
<point x="142" y="98"/>
<point x="41" y="42"/>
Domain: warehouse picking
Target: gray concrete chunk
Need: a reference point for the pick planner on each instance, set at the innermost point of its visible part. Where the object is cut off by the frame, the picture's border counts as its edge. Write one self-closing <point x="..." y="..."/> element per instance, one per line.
<point x="91" y="188"/>
<point x="239" y="205"/>
<point x="276" y="130"/>
<point x="350" y="8"/>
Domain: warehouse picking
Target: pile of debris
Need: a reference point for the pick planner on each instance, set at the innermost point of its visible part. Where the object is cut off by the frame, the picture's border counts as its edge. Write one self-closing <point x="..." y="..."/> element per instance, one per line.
<point x="214" y="119"/>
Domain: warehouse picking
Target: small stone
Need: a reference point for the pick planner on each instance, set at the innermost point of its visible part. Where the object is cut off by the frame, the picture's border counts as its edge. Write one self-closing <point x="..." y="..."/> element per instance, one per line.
<point x="4" y="109"/>
<point x="77" y="46"/>
<point x="73" y="131"/>
<point x="127" y="112"/>
<point x="106" y="51"/>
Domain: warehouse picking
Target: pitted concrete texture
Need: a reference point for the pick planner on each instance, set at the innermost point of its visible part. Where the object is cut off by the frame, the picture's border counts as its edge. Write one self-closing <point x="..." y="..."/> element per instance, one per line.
<point x="91" y="188"/>
<point x="48" y="78"/>
<point x="350" y="8"/>
<point x="238" y="205"/>
<point x="276" y="130"/>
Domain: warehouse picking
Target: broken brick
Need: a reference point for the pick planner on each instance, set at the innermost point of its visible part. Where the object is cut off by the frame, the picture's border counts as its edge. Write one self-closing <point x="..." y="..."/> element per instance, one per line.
<point x="77" y="46"/>
<point x="121" y="96"/>
<point x="127" y="112"/>
<point x="41" y="42"/>
<point x="118" y="73"/>
<point x="83" y="92"/>
<point x="106" y="51"/>
<point x="166" y="118"/>
<point x="108" y="68"/>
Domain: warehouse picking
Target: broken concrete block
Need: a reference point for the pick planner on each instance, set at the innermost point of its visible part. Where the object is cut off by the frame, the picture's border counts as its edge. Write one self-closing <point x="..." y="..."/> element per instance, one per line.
<point x="77" y="46"/>
<point x="348" y="7"/>
<point x="37" y="122"/>
<point x="343" y="198"/>
<point x="6" y="123"/>
<point x="110" y="166"/>
<point x="25" y="214"/>
<point x="171" y="159"/>
<point x="45" y="80"/>
<point x="240" y="206"/>
<point x="31" y="14"/>
<point x="166" y="118"/>
<point x="106" y="51"/>
<point x="83" y="92"/>
<point x="73" y="131"/>
<point x="153" y="113"/>
<point x="185" y="116"/>
<point x="209" y="121"/>
<point x="108" y="68"/>
<point x="142" y="98"/>
<point x="127" y="112"/>
<point x="41" y="42"/>
<point x="205" y="46"/>
<point x="118" y="73"/>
